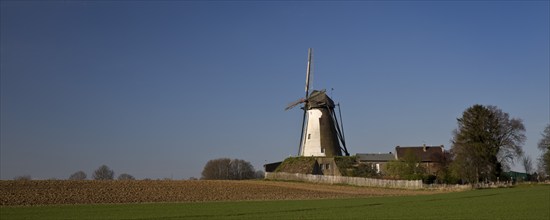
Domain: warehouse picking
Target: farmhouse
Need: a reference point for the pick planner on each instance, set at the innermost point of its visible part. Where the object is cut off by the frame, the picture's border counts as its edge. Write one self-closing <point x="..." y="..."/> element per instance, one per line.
<point x="431" y="157"/>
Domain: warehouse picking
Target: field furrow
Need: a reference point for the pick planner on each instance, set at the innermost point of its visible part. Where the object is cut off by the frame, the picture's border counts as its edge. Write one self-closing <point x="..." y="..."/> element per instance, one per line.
<point x="45" y="192"/>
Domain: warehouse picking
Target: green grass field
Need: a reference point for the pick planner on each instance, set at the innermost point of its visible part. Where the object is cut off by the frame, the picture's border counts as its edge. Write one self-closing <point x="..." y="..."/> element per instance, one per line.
<point x="522" y="202"/>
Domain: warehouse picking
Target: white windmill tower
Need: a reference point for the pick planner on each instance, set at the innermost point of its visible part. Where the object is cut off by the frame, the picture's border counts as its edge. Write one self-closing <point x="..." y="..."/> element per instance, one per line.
<point x="322" y="136"/>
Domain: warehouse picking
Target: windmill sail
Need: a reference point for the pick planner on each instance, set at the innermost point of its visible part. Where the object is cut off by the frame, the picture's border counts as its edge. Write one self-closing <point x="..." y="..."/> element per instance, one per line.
<point x="304" y="121"/>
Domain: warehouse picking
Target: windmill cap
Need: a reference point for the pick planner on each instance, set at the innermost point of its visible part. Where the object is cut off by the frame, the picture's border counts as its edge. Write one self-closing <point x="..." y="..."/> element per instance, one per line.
<point x="319" y="99"/>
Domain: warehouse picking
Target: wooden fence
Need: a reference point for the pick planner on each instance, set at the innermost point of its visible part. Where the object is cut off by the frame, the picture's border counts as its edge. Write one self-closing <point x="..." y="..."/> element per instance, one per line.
<point x="356" y="181"/>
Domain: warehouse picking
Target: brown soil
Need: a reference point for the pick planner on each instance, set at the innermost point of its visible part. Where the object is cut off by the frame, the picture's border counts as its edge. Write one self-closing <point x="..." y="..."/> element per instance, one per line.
<point x="45" y="192"/>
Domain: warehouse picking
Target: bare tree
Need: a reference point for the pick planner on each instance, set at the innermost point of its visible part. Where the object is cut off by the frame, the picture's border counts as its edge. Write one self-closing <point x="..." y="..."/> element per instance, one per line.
<point x="23" y="178"/>
<point x="103" y="173"/>
<point x="544" y="142"/>
<point x="78" y="175"/>
<point x="541" y="168"/>
<point x="125" y="176"/>
<point x="527" y="164"/>
<point x="227" y="169"/>
<point x="508" y="136"/>
<point x="216" y="169"/>
<point x="544" y="146"/>
<point x="240" y="170"/>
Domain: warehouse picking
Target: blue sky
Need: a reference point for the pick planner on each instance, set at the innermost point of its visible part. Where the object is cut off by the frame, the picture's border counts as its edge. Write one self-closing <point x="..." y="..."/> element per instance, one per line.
<point x="156" y="89"/>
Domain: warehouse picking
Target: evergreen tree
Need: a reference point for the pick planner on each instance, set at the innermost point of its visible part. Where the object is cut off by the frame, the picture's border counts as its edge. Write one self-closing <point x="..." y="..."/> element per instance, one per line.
<point x="486" y="142"/>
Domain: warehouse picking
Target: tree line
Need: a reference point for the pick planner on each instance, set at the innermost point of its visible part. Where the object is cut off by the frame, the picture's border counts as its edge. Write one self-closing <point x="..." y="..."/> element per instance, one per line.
<point x="230" y="169"/>
<point x="485" y="144"/>
<point x="101" y="173"/>
<point x="221" y="169"/>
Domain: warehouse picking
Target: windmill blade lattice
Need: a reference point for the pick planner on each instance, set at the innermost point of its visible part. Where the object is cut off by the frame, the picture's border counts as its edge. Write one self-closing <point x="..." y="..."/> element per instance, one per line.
<point x="294" y="104"/>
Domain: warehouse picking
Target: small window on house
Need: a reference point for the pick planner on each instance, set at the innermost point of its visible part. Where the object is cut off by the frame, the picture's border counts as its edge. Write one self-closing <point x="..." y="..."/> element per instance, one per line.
<point x="322" y="150"/>
<point x="328" y="166"/>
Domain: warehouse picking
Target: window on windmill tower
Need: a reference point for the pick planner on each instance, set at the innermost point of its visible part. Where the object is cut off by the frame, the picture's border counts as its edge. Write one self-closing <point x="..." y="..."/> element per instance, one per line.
<point x="308" y="136"/>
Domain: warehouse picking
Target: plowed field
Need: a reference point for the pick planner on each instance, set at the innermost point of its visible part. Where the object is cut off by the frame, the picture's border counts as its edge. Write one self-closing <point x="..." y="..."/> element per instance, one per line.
<point x="43" y="192"/>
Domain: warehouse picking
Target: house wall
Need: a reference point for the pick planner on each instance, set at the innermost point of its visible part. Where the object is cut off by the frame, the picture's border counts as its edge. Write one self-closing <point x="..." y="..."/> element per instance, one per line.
<point x="327" y="166"/>
<point x="381" y="165"/>
<point x="432" y="167"/>
<point x="271" y="167"/>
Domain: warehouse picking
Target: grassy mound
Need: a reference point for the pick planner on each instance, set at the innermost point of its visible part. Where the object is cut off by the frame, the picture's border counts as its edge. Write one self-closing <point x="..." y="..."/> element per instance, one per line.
<point x="346" y="165"/>
<point x="304" y="165"/>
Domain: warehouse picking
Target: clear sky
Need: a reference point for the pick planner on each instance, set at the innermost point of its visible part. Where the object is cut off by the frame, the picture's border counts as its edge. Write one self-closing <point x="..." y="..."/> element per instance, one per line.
<point x="156" y="89"/>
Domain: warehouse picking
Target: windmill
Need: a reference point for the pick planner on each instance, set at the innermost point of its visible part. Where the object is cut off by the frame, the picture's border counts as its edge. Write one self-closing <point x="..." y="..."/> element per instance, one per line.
<point x="322" y="135"/>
